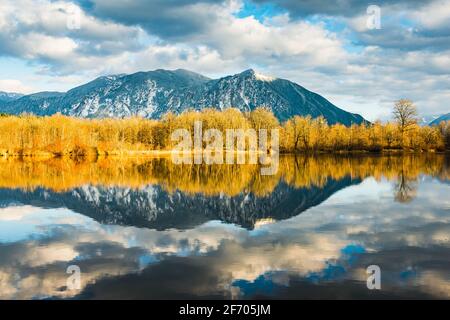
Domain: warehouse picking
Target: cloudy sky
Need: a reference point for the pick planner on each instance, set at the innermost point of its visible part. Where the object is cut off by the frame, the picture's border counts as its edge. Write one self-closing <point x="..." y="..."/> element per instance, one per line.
<point x="329" y="48"/>
<point x="411" y="245"/>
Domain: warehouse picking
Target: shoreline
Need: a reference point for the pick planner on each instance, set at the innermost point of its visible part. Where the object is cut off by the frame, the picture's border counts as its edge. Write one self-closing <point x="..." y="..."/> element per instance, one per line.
<point x="43" y="155"/>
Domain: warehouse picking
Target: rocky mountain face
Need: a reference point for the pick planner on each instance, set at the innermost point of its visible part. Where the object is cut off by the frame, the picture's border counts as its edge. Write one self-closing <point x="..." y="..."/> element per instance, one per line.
<point x="152" y="94"/>
<point x="444" y="117"/>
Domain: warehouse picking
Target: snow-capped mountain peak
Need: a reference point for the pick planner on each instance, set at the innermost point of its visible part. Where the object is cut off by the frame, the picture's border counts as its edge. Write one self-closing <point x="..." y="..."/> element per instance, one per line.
<point x="255" y="75"/>
<point x="154" y="93"/>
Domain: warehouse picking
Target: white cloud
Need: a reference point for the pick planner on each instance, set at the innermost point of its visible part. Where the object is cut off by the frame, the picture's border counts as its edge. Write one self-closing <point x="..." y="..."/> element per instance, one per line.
<point x="40" y="32"/>
<point x="35" y="46"/>
<point x="16" y="213"/>
<point x="434" y="15"/>
<point x="303" y="245"/>
<point x="210" y="38"/>
<point x="13" y="85"/>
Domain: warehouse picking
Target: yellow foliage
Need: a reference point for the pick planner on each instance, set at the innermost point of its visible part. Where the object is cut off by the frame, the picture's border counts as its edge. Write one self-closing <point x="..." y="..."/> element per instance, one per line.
<point x="59" y="135"/>
<point x="300" y="171"/>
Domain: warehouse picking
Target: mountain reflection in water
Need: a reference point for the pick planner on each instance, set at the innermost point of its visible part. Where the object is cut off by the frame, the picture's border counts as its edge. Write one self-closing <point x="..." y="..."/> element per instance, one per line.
<point x="145" y="228"/>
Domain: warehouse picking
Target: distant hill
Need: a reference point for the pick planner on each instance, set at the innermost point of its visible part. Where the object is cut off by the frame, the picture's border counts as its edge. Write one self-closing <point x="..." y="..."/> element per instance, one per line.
<point x="154" y="93"/>
<point x="9" y="96"/>
<point x="445" y="117"/>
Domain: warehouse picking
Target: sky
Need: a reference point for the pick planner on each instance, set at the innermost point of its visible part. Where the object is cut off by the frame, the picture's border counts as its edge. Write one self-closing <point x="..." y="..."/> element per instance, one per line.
<point x="38" y="243"/>
<point x="336" y="49"/>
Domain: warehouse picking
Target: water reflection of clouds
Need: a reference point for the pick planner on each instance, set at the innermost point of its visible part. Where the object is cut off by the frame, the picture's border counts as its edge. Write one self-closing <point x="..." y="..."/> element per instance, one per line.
<point x="237" y="254"/>
<point x="216" y="259"/>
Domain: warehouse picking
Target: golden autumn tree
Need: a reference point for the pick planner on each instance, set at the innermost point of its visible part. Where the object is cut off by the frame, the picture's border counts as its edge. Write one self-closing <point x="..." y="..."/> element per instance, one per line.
<point x="58" y="135"/>
<point x="444" y="130"/>
<point x="298" y="132"/>
<point x="263" y="118"/>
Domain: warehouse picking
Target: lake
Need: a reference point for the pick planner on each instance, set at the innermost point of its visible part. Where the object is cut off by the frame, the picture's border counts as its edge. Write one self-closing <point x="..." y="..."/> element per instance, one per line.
<point x="144" y="228"/>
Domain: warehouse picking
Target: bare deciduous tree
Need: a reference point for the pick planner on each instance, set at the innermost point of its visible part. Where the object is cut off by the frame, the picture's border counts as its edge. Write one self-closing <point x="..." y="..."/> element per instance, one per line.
<point x="405" y="114"/>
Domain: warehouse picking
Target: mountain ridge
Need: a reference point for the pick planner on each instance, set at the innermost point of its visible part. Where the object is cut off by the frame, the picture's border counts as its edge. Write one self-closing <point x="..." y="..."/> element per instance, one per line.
<point x="153" y="207"/>
<point x="9" y="96"/>
<point x="151" y="94"/>
<point x="444" y="117"/>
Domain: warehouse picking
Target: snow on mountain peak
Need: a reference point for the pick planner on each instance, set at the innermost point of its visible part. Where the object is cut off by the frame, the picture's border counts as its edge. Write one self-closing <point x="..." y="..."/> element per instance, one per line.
<point x="262" y="77"/>
<point x="154" y="93"/>
<point x="256" y="75"/>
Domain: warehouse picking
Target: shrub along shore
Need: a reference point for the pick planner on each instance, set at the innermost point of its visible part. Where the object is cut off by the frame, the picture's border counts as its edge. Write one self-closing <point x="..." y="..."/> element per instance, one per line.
<point x="61" y="136"/>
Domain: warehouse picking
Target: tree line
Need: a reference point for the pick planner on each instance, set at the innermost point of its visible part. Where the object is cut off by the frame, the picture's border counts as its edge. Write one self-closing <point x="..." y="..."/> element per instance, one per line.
<point x="59" y="135"/>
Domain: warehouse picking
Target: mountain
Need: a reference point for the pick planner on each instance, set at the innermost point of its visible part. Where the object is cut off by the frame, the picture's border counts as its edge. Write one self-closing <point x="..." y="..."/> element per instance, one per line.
<point x="9" y="96"/>
<point x="445" y="117"/>
<point x="424" y="120"/>
<point x="154" y="93"/>
<point x="154" y="207"/>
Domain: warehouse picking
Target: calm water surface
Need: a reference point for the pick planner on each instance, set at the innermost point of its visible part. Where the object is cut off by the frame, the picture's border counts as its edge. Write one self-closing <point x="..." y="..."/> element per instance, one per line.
<point x="144" y="228"/>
